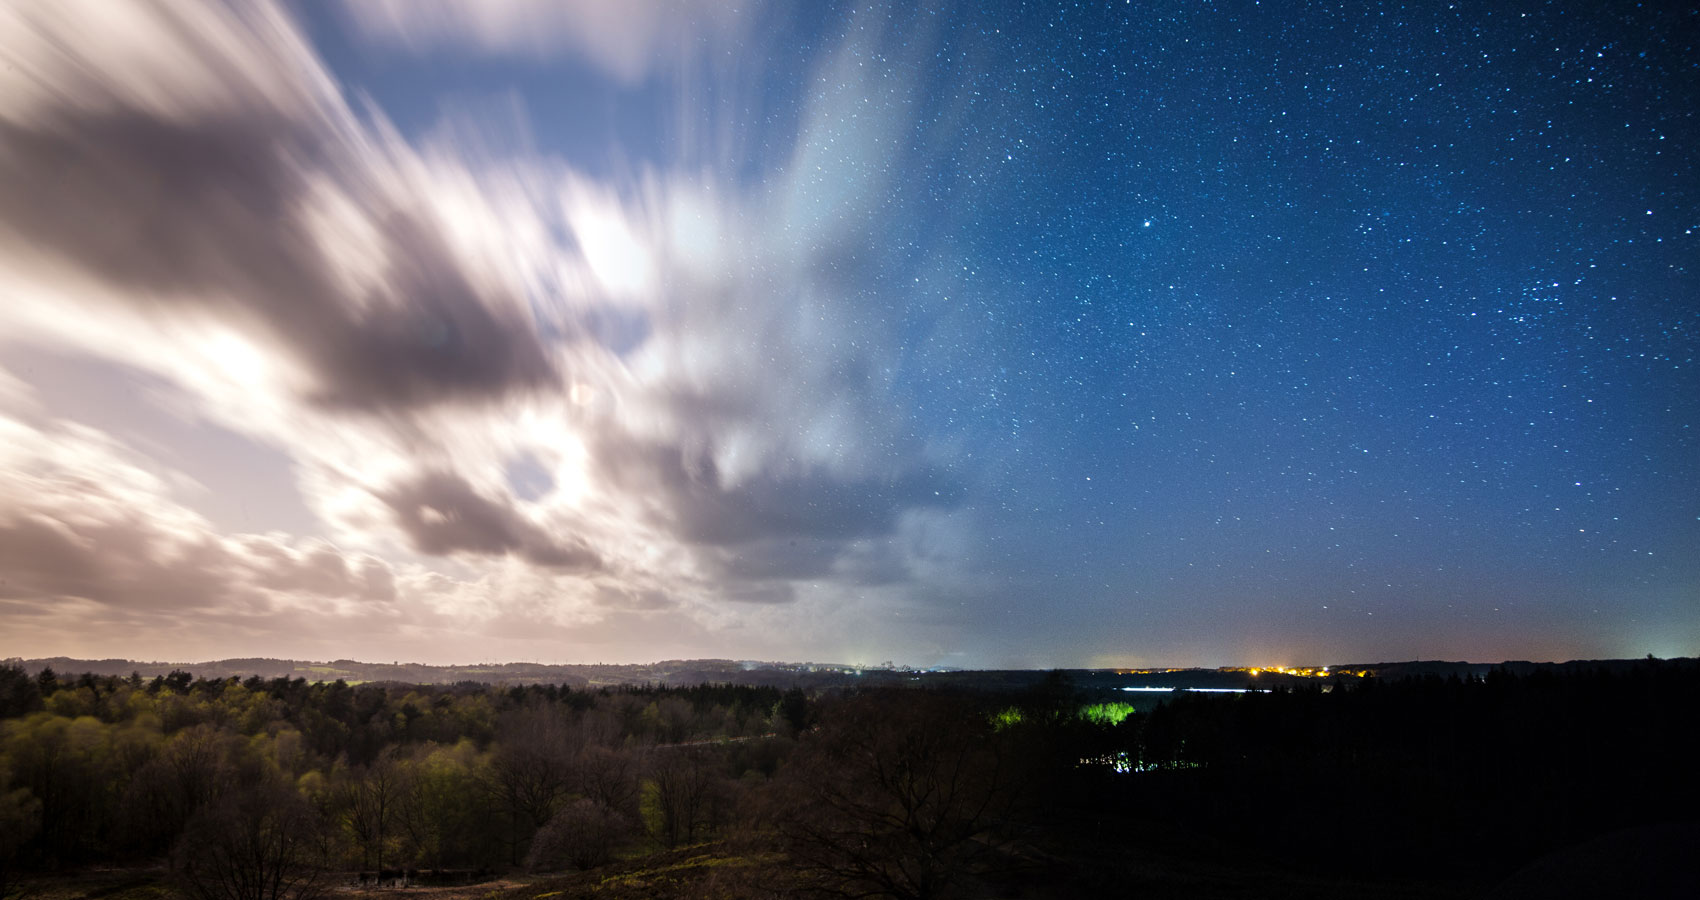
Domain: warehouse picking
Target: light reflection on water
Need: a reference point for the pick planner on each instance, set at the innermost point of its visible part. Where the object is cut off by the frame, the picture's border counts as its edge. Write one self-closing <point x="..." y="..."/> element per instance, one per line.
<point x="1197" y="690"/>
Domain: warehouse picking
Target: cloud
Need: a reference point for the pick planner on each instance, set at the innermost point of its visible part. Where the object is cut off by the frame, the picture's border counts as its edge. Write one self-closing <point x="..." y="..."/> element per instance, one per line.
<point x="442" y="514"/>
<point x="673" y="360"/>
<point x="700" y="505"/>
<point x="81" y="517"/>
<point x="627" y="40"/>
<point x="241" y="200"/>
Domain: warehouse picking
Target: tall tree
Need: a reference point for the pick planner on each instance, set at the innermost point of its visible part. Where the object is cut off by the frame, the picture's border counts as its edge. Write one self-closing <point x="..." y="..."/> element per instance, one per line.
<point x="372" y="799"/>
<point x="678" y="795"/>
<point x="259" y="842"/>
<point x="531" y="769"/>
<point x="20" y="818"/>
<point x="898" y="794"/>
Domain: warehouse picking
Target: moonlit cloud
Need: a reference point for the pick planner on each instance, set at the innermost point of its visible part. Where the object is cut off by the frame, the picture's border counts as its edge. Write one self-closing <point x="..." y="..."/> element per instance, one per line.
<point x="628" y="39"/>
<point x="414" y="322"/>
<point x="256" y="202"/>
<point x="83" y="518"/>
<point x="441" y="514"/>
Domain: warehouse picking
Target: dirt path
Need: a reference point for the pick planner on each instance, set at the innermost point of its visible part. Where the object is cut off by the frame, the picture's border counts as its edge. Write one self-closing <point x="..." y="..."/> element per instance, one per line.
<point x="450" y="892"/>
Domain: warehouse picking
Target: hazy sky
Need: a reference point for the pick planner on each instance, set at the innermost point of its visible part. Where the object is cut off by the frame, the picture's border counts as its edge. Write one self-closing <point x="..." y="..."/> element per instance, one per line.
<point x="985" y="334"/>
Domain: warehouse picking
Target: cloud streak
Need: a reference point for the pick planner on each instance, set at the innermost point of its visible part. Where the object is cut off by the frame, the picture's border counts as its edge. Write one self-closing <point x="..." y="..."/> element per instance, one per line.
<point x="81" y="517"/>
<point x="240" y="201"/>
<point x="677" y="361"/>
<point x="627" y="40"/>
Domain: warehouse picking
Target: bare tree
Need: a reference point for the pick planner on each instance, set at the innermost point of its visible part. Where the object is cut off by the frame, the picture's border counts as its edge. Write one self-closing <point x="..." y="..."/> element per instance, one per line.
<point x="679" y="794"/>
<point x="609" y="777"/>
<point x="531" y="770"/>
<point x="583" y="834"/>
<point x="900" y="794"/>
<point x="170" y="788"/>
<point x="257" y="843"/>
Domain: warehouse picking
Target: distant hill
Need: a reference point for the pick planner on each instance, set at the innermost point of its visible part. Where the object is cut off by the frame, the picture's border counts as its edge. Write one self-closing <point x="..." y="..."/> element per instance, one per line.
<point x="778" y="674"/>
<point x="1520" y="667"/>
<point x="666" y="672"/>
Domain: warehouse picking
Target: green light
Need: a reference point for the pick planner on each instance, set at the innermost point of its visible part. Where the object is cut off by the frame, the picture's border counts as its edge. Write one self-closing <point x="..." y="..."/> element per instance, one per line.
<point x="1106" y="713"/>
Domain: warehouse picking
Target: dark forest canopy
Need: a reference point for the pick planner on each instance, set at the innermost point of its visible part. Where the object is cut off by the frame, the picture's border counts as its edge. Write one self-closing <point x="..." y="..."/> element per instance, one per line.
<point x="886" y="792"/>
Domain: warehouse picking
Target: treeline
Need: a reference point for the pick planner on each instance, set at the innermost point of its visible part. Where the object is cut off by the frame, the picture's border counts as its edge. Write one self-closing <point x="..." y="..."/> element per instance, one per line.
<point x="103" y="768"/>
<point x="879" y="792"/>
<point x="674" y="672"/>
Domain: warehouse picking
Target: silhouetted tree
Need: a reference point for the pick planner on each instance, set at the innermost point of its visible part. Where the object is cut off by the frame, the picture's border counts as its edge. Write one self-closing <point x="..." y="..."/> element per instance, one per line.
<point x="609" y="777"/>
<point x="18" y="692"/>
<point x="20" y="818"/>
<point x="530" y="770"/>
<point x="898" y="794"/>
<point x="167" y="790"/>
<point x="259" y="842"/>
<point x="678" y="795"/>
<point x="584" y="834"/>
<point x="794" y="709"/>
<point x="178" y="681"/>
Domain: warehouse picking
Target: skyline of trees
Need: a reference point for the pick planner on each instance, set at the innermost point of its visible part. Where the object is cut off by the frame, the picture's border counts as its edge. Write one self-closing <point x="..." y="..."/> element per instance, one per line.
<point x="910" y="793"/>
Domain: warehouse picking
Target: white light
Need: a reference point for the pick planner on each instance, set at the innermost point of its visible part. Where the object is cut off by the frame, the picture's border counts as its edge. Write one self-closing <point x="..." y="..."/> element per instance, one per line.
<point x="1170" y="690"/>
<point x="237" y="358"/>
<point x="612" y="249"/>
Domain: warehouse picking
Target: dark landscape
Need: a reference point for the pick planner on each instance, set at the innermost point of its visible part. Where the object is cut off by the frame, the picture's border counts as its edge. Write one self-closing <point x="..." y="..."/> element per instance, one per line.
<point x="1408" y="780"/>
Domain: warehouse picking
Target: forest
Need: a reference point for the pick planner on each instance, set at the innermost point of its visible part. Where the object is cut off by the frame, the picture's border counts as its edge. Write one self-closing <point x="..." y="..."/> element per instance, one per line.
<point x="285" y="789"/>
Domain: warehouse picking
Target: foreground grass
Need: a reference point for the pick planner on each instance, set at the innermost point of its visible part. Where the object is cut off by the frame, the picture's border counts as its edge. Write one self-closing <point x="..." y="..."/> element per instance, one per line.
<point x="1157" y="866"/>
<point x="149" y="883"/>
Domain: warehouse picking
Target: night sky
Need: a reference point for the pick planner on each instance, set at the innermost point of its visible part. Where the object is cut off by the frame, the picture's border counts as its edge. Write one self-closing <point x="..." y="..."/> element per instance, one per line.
<point x="971" y="335"/>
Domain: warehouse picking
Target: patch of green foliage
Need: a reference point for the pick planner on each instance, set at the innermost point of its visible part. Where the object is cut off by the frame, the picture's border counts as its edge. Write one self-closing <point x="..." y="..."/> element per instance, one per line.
<point x="1106" y="713"/>
<point x="1008" y="718"/>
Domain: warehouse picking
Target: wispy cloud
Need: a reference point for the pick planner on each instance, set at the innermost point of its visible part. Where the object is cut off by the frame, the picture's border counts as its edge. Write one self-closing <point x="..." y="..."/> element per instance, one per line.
<point x="628" y="40"/>
<point x="674" y="358"/>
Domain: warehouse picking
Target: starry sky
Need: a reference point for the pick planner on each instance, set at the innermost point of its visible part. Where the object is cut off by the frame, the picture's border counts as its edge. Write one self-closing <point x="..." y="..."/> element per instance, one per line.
<point x="1000" y="334"/>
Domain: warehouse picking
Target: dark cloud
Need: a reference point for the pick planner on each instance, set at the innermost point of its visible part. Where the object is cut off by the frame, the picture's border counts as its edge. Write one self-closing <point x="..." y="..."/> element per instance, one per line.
<point x="768" y="593"/>
<point x="799" y="558"/>
<point x="864" y="563"/>
<point x="123" y="557"/>
<point x="125" y="560"/>
<point x="442" y="514"/>
<point x="206" y="212"/>
<point x="815" y="505"/>
<point x="322" y="569"/>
